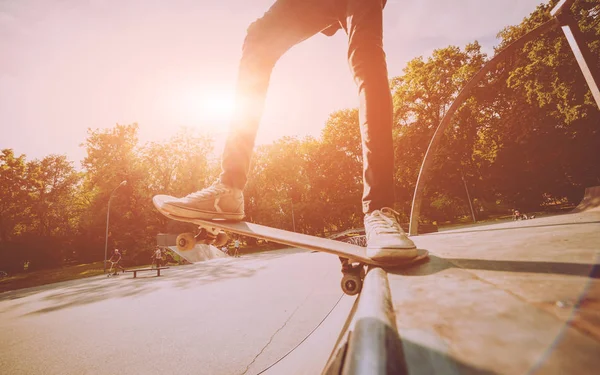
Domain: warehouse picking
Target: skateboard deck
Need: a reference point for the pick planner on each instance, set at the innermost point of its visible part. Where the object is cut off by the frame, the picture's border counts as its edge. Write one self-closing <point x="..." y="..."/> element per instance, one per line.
<point x="348" y="253"/>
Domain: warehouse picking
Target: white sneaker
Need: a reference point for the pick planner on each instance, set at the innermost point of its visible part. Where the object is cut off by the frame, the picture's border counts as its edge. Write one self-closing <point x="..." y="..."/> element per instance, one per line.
<point x="217" y="201"/>
<point x="386" y="240"/>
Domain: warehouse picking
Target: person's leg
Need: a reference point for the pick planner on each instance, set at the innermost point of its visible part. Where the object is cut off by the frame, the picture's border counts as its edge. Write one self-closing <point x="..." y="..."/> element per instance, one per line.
<point x="364" y="25"/>
<point x="285" y="24"/>
<point x="366" y="57"/>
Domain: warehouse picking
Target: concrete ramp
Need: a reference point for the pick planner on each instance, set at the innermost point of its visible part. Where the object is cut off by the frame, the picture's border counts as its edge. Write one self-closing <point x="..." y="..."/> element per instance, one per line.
<point x="590" y="201"/>
<point x="199" y="253"/>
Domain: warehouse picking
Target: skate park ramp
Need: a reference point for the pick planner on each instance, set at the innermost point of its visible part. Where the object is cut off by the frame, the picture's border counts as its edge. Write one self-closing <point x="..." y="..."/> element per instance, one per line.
<point x="199" y="253"/>
<point x="590" y="201"/>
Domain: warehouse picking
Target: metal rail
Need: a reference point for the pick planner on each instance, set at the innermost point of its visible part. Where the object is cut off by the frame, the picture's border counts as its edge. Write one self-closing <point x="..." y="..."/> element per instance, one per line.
<point x="372" y="344"/>
<point x="563" y="17"/>
<point x="462" y="95"/>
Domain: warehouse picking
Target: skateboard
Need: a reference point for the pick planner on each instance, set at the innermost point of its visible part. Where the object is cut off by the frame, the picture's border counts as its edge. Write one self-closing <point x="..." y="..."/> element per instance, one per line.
<point x="110" y="271"/>
<point x="353" y="258"/>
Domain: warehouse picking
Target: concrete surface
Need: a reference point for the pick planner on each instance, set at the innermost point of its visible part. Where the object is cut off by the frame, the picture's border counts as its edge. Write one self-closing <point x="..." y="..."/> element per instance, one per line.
<point x="512" y="298"/>
<point x="224" y="316"/>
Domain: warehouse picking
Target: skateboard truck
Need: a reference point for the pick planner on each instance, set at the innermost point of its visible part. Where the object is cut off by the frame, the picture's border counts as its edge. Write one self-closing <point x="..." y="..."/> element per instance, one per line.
<point x="354" y="274"/>
<point x="206" y="235"/>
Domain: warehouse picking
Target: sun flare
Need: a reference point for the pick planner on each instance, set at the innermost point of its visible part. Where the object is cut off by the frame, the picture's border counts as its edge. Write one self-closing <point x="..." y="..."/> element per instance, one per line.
<point x="206" y="109"/>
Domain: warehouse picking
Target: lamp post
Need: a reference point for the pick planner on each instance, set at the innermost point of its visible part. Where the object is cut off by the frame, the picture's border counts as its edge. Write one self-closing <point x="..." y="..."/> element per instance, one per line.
<point x="468" y="196"/>
<point x="293" y="218"/>
<point x="123" y="183"/>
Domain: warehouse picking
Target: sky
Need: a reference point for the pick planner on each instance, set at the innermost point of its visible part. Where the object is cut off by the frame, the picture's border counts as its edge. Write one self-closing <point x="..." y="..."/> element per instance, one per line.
<point x="70" y="65"/>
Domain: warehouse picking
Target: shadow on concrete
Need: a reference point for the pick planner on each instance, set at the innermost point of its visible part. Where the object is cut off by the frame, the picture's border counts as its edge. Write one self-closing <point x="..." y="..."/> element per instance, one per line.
<point x="436" y="264"/>
<point x="568" y="269"/>
<point x="94" y="289"/>
<point x="419" y="359"/>
<point x="524" y="226"/>
<point x="391" y="354"/>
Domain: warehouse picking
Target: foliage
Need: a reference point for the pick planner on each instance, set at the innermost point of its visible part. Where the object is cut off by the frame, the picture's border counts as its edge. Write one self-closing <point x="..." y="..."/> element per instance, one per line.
<point x="528" y="134"/>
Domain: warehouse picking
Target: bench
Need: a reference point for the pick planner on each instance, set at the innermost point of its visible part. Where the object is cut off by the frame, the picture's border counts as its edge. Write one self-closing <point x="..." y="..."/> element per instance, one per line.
<point x="146" y="269"/>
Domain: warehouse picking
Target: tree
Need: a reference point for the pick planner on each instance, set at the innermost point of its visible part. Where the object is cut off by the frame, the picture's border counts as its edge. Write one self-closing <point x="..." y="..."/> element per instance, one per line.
<point x="422" y="97"/>
<point x="13" y="194"/>
<point x="112" y="157"/>
<point x="548" y="132"/>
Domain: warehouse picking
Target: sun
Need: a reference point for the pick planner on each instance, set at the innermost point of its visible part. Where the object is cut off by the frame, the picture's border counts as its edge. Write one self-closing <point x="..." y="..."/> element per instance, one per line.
<point x="207" y="108"/>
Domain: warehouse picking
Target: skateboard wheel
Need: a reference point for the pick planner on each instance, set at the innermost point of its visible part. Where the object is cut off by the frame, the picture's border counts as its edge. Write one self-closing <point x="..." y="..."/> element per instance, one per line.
<point x="221" y="239"/>
<point x="186" y="242"/>
<point x="351" y="284"/>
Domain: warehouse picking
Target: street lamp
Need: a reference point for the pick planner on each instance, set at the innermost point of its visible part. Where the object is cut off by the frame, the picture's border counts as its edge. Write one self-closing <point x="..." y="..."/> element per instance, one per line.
<point x="107" y="217"/>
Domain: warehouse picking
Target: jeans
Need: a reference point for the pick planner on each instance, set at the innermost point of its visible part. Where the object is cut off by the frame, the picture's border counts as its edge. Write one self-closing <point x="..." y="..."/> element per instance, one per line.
<point x="287" y="23"/>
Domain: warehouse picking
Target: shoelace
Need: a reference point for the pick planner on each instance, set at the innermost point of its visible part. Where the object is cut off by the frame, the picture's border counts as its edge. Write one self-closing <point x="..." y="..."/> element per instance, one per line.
<point x="214" y="189"/>
<point x="382" y="223"/>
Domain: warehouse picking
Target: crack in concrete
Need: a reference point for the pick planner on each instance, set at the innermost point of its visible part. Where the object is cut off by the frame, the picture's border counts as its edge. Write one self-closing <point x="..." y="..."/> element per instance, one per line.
<point x="279" y="329"/>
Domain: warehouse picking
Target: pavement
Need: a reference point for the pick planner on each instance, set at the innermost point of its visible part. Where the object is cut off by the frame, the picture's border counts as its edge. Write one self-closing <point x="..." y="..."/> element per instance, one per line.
<point x="510" y="298"/>
<point x="222" y="316"/>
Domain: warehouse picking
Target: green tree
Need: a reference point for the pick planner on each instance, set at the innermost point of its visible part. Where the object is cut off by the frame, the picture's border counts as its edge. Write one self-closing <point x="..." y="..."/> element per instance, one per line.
<point x="13" y="194"/>
<point x="113" y="157"/>
<point x="422" y="97"/>
<point x="548" y="137"/>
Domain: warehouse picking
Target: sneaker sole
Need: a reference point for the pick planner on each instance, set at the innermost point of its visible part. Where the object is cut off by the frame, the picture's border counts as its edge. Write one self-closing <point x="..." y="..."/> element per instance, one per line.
<point x="391" y="254"/>
<point x="199" y="214"/>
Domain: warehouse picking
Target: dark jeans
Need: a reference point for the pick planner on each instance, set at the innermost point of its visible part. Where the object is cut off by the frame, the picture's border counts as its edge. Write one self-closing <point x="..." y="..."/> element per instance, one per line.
<point x="287" y="23"/>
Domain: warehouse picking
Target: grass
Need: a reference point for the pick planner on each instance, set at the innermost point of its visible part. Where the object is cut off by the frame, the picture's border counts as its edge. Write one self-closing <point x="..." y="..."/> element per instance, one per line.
<point x="43" y="277"/>
<point x="65" y="273"/>
<point x="55" y="275"/>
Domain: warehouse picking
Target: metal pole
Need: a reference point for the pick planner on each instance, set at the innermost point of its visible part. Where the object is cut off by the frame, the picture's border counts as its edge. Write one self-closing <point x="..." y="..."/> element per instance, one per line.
<point x="106" y="236"/>
<point x="123" y="183"/>
<point x="293" y="219"/>
<point x="374" y="345"/>
<point x="468" y="196"/>
<point x="584" y="57"/>
<point x="587" y="62"/>
<point x="462" y="96"/>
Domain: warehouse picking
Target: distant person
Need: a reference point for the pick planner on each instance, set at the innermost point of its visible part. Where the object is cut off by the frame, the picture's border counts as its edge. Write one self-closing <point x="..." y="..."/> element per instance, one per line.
<point x="115" y="262"/>
<point x="236" y="246"/>
<point x="224" y="249"/>
<point x="157" y="257"/>
<point x="285" y="24"/>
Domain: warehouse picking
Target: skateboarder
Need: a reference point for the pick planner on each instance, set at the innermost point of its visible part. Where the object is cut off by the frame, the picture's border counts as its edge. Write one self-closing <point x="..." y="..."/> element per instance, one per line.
<point x="236" y="245"/>
<point x="114" y="261"/>
<point x="285" y="24"/>
<point x="157" y="257"/>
